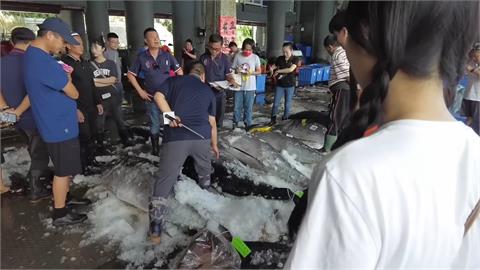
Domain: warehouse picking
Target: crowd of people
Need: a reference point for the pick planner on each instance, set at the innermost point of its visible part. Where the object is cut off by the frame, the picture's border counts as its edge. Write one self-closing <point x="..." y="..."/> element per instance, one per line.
<point x="386" y="196"/>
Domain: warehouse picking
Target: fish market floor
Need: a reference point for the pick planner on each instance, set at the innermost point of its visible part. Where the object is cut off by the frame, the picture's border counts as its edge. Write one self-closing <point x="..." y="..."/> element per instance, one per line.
<point x="27" y="243"/>
<point x="28" y="240"/>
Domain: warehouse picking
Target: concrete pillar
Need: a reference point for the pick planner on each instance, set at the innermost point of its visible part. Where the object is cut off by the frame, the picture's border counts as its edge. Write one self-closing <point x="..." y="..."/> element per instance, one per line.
<point x="78" y="25"/>
<point x="276" y="27"/>
<point x="298" y="26"/>
<point x="260" y="37"/>
<point x="96" y="17"/>
<point x="183" y="25"/>
<point x="307" y="22"/>
<point x="215" y="9"/>
<point x="66" y="16"/>
<point x="200" y="22"/>
<point x="323" y="13"/>
<point x="139" y="16"/>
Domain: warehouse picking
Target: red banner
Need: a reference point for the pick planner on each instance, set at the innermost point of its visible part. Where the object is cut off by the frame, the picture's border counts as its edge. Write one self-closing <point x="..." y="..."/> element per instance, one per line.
<point x="228" y="30"/>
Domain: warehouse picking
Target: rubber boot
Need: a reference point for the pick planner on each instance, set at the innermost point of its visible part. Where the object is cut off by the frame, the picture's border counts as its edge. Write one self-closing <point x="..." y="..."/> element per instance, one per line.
<point x="101" y="143"/>
<point x="124" y="138"/>
<point x="273" y="121"/>
<point x="38" y="191"/>
<point x="329" y="141"/>
<point x="155" y="147"/>
<point x="156" y="213"/>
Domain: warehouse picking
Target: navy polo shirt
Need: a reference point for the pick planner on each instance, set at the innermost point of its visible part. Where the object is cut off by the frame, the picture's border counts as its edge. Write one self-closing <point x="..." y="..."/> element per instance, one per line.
<point x="155" y="71"/>
<point x="55" y="113"/>
<point x="191" y="100"/>
<point x="216" y="69"/>
<point x="13" y="86"/>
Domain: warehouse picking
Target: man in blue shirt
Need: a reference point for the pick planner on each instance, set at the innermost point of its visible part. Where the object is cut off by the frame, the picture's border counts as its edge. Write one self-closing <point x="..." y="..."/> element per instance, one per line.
<point x="217" y="68"/>
<point x="155" y="65"/>
<point x="193" y="103"/>
<point x="13" y="91"/>
<point x="52" y="97"/>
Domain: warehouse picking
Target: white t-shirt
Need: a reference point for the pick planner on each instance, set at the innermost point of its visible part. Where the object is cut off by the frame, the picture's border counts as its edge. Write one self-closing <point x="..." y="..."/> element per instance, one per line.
<point x="396" y="199"/>
<point x="472" y="92"/>
<point x="249" y="63"/>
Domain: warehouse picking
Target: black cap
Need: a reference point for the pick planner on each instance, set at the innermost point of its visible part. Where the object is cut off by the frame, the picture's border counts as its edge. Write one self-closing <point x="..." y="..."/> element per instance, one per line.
<point x="60" y="27"/>
<point x="22" y="34"/>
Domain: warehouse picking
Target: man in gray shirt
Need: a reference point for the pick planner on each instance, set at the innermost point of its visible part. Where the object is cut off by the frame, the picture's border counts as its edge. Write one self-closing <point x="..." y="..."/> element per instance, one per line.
<point x="111" y="53"/>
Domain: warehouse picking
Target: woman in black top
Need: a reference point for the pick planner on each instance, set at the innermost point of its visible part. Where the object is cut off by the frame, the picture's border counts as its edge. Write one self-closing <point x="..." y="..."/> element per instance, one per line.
<point x="105" y="79"/>
<point x="189" y="54"/>
<point x="284" y="71"/>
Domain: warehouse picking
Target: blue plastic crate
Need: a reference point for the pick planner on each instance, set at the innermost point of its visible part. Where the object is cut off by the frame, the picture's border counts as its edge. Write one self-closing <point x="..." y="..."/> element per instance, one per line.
<point x="261" y="81"/>
<point x="308" y="74"/>
<point x="319" y="75"/>
<point x="326" y="73"/>
<point x="303" y="83"/>
<point x="260" y="99"/>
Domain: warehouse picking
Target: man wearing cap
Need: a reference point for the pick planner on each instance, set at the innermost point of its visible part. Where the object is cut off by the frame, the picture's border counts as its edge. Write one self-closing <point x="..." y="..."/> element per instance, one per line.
<point x="14" y="94"/>
<point x="156" y="65"/>
<point x="52" y="97"/>
<point x="89" y="102"/>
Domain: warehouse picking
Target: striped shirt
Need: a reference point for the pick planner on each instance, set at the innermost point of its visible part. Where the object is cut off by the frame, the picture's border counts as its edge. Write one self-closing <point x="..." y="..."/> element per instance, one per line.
<point x="339" y="70"/>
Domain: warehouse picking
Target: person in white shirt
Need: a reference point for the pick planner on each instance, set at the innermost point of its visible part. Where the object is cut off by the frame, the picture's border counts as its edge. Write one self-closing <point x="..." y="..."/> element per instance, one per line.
<point x="471" y="99"/>
<point x="405" y="196"/>
<point x="247" y="65"/>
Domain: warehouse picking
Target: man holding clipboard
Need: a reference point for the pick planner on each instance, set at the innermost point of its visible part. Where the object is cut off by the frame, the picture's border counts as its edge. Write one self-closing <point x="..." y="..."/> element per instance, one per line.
<point x="217" y="68"/>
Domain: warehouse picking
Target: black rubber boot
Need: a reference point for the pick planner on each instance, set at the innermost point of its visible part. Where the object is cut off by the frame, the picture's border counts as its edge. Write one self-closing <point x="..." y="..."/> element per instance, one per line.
<point x="273" y="121"/>
<point x="38" y="191"/>
<point x="100" y="138"/>
<point x="156" y="213"/>
<point x="155" y="146"/>
<point x="124" y="138"/>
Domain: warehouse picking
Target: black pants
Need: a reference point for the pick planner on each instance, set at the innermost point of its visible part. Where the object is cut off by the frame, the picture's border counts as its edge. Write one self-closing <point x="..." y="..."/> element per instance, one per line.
<point x="37" y="149"/>
<point x="111" y="108"/>
<point x="221" y="98"/>
<point x="339" y="106"/>
<point x="87" y="134"/>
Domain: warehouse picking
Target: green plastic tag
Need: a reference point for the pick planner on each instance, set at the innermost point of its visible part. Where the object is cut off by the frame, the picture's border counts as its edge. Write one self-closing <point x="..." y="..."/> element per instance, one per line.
<point x="241" y="247"/>
<point x="304" y="122"/>
<point x="299" y="194"/>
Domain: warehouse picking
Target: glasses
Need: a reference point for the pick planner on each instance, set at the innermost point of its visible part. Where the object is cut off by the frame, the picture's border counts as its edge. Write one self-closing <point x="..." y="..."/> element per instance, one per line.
<point x="215" y="49"/>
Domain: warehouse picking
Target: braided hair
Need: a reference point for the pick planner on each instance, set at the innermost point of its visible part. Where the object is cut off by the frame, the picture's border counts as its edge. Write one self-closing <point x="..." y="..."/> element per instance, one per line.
<point x="420" y="38"/>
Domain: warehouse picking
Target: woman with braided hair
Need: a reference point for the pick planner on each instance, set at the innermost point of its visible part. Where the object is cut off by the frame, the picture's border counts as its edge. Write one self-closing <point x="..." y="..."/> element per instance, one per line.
<point x="406" y="194"/>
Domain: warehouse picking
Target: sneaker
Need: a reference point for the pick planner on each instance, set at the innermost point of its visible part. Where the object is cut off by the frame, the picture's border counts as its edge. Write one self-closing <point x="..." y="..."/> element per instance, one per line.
<point x="69" y="219"/>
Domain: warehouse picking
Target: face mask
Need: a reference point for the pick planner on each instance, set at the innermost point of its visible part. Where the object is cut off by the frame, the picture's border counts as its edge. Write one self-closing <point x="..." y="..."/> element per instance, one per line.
<point x="247" y="53"/>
